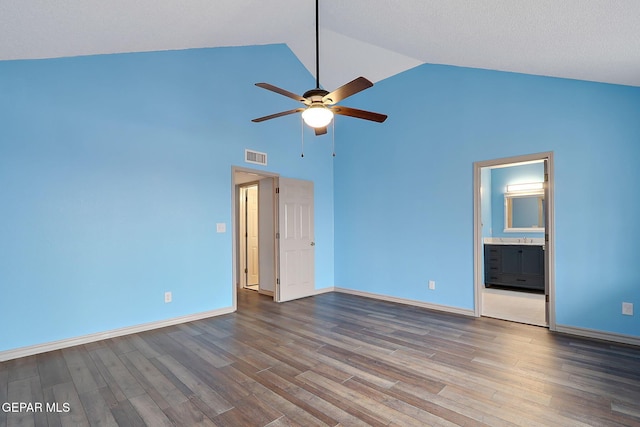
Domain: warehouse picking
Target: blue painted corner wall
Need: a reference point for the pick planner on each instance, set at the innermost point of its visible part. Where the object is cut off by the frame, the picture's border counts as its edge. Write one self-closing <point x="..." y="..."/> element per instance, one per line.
<point x="114" y="171"/>
<point x="404" y="189"/>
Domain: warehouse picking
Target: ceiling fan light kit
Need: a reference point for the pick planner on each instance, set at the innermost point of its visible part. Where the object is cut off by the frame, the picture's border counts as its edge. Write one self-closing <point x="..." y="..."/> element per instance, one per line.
<point x="317" y="116"/>
<point x="320" y="104"/>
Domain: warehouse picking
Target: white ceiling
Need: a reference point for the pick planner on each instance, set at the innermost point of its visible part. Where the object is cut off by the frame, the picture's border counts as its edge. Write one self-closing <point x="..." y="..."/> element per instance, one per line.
<point x="597" y="40"/>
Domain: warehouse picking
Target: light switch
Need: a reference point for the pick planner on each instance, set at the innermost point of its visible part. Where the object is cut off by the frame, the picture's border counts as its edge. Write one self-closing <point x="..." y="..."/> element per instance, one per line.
<point x="221" y="227"/>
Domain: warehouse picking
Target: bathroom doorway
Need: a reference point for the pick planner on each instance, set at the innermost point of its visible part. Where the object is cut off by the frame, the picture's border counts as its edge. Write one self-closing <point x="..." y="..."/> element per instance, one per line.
<point x="513" y="258"/>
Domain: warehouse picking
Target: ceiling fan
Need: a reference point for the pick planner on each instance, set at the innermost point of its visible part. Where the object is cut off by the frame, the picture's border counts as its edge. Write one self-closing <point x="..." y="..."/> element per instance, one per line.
<point x="320" y="104"/>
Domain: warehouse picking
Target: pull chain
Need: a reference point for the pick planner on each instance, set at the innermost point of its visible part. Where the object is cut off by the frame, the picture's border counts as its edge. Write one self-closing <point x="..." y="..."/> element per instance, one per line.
<point x="302" y="135"/>
<point x="333" y="136"/>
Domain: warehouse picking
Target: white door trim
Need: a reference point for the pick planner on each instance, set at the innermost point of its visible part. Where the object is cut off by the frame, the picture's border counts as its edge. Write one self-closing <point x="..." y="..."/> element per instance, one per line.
<point x="550" y="230"/>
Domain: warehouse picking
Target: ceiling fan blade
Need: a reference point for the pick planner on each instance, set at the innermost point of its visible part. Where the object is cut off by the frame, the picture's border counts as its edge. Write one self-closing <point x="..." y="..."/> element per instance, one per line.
<point x="286" y="93"/>
<point x="359" y="114"/>
<point x="346" y="90"/>
<point x="321" y="131"/>
<point x="273" y="116"/>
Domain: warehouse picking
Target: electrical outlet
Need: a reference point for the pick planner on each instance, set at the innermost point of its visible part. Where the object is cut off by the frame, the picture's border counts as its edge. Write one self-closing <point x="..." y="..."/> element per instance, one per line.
<point x="167" y="297"/>
<point x="432" y="284"/>
<point x="627" y="308"/>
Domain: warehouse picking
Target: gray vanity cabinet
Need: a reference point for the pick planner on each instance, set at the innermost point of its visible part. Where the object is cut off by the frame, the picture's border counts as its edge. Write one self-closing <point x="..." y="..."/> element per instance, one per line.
<point x="515" y="266"/>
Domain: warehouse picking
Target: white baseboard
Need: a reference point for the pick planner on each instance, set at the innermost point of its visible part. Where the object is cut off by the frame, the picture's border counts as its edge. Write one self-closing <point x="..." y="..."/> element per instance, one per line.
<point x="70" y="342"/>
<point x="600" y="335"/>
<point x="85" y="339"/>
<point x="422" y="304"/>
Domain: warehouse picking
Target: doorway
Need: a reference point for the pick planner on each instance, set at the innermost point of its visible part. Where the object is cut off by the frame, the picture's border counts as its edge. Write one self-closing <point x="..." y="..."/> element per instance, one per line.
<point x="531" y="299"/>
<point x="273" y="240"/>
<point x="254" y="231"/>
<point x="248" y="242"/>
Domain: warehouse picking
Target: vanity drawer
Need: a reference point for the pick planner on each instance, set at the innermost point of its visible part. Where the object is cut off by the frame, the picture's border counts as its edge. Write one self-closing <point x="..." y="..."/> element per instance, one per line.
<point x="522" y="281"/>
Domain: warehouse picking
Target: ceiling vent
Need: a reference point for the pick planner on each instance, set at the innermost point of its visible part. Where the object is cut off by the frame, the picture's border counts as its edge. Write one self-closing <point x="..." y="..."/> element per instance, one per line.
<point x="255" y="157"/>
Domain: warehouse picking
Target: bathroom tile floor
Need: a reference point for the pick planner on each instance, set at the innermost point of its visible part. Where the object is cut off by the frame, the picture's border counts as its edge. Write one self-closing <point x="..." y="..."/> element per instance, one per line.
<point x="521" y="307"/>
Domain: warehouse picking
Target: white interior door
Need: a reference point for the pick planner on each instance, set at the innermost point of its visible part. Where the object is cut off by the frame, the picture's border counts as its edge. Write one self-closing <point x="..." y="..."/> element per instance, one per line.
<point x="266" y="233"/>
<point x="253" y="266"/>
<point x="296" y="244"/>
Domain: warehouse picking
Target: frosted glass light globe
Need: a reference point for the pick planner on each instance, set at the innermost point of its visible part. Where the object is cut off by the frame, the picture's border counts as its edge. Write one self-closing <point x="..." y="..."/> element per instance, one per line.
<point x="317" y="116"/>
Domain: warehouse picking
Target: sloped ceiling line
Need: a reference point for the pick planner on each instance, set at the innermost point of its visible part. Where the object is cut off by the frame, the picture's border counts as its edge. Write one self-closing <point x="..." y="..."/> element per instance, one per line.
<point x="595" y="40"/>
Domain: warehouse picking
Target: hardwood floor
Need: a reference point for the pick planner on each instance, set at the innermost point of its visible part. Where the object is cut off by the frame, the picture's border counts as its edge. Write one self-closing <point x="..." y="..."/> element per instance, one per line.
<point x="333" y="359"/>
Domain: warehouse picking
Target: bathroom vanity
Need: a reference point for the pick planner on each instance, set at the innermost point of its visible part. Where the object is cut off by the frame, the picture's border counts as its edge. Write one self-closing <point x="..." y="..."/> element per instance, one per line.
<point x="514" y="265"/>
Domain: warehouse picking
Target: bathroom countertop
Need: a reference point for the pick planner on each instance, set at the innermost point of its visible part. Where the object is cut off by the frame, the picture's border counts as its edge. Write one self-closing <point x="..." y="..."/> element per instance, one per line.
<point x="533" y="241"/>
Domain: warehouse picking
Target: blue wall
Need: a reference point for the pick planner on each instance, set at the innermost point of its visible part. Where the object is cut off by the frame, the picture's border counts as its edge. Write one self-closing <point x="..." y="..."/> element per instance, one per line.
<point x="500" y="178"/>
<point x="115" y="170"/>
<point x="404" y="203"/>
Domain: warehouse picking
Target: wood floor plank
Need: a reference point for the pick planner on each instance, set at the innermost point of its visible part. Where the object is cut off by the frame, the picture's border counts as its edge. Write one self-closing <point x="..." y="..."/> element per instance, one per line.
<point x="143" y="347"/>
<point x="324" y="407"/>
<point x="82" y="370"/>
<point x="53" y="418"/>
<point x="293" y="414"/>
<point x="212" y="399"/>
<point x="188" y="414"/>
<point x="96" y="409"/>
<point x="209" y="356"/>
<point x="19" y="391"/>
<point x="332" y="360"/>
<point x="374" y="403"/>
<point x="158" y="387"/>
<point x="284" y="422"/>
<point x="248" y="411"/>
<point x="149" y="411"/>
<point x="52" y="369"/>
<point x="235" y="349"/>
<point x="68" y="405"/>
<point x="118" y="373"/>
<point x="125" y="414"/>
<point x="21" y="368"/>
<point x="121" y="345"/>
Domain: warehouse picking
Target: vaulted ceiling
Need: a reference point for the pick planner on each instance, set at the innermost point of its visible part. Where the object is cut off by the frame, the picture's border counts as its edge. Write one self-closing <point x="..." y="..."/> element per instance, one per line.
<point x="596" y="40"/>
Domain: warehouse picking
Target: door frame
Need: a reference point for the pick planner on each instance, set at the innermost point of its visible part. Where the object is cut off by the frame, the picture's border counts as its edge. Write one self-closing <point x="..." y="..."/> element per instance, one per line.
<point x="235" y="206"/>
<point x="549" y="253"/>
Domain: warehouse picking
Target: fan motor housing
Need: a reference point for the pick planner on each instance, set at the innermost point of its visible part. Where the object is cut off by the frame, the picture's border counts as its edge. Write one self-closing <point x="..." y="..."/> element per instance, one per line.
<point x="315" y="94"/>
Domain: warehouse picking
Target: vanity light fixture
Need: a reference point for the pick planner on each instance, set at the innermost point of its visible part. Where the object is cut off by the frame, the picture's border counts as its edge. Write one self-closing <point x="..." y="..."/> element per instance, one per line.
<point x="524" y="187"/>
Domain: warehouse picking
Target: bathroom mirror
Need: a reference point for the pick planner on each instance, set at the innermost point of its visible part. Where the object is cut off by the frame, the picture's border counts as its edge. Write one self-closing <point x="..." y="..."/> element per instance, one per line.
<point x="524" y="212"/>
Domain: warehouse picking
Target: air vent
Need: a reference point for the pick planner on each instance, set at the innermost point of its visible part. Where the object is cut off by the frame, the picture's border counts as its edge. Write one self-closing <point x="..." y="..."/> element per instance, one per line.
<point x="255" y="157"/>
